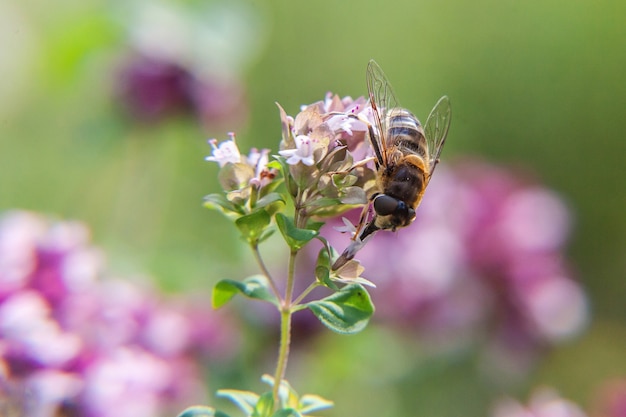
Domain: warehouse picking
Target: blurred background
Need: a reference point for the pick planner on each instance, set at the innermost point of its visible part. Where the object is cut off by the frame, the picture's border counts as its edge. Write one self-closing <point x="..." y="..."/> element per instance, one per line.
<point x="105" y="109"/>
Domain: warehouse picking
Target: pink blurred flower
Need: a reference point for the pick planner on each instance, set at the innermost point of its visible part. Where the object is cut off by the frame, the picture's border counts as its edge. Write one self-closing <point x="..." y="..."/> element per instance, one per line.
<point x="83" y="344"/>
<point x="543" y="403"/>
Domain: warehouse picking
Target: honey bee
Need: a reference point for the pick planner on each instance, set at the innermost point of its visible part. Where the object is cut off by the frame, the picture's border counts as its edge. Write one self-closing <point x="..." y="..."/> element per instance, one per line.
<point x="405" y="156"/>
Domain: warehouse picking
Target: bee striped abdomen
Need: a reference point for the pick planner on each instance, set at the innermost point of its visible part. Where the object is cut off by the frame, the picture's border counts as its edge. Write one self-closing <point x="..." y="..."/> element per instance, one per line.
<point x="406" y="132"/>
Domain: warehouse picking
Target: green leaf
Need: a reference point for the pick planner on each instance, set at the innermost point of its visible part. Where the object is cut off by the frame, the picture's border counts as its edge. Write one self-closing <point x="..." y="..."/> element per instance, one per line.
<point x="266" y="234"/>
<point x="322" y="269"/>
<point x="220" y="203"/>
<point x="288" y="396"/>
<point x="281" y="163"/>
<point x="265" y="406"/>
<point x="269" y="199"/>
<point x="296" y="238"/>
<point x="245" y="400"/>
<point x="311" y="225"/>
<point x="253" y="225"/>
<point x="256" y="287"/>
<point x="313" y="403"/>
<point x="354" y="195"/>
<point x="201" y="411"/>
<point x="271" y="203"/>
<point x="346" y="311"/>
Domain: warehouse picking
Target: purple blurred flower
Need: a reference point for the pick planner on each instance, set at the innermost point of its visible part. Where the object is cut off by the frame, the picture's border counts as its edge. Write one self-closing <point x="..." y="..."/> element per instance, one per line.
<point x="543" y="403"/>
<point x="485" y="251"/>
<point x="189" y="58"/>
<point x="86" y="345"/>
<point x="151" y="89"/>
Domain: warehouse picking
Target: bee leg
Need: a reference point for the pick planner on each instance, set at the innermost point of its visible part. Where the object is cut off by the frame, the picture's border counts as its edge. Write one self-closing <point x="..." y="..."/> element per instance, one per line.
<point x="354" y="166"/>
<point x="355" y="245"/>
<point x="362" y="221"/>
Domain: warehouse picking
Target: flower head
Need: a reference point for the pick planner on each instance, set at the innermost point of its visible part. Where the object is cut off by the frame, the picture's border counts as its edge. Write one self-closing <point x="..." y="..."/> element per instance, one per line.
<point x="302" y="153"/>
<point x="320" y="146"/>
<point x="227" y="151"/>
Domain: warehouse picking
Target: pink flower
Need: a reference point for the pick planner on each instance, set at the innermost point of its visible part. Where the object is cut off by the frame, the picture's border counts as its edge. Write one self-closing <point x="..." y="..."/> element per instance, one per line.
<point x="226" y="152"/>
<point x="303" y="152"/>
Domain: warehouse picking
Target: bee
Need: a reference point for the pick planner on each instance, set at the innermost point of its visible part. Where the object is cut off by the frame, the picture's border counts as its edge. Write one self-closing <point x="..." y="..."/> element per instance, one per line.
<point x="405" y="156"/>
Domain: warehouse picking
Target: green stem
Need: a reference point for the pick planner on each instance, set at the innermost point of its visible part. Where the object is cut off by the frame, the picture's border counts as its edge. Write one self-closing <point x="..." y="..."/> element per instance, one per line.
<point x="287" y="304"/>
<point x="285" y="328"/>
<point x="266" y="272"/>
<point x="306" y="292"/>
<point x="283" y="353"/>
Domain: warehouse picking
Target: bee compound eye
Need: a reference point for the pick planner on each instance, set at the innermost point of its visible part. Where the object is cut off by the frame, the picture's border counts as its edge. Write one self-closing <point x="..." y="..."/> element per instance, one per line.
<point x="385" y="205"/>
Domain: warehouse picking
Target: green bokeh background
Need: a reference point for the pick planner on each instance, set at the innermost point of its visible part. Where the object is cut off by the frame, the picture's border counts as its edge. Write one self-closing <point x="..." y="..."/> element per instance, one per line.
<point x="534" y="84"/>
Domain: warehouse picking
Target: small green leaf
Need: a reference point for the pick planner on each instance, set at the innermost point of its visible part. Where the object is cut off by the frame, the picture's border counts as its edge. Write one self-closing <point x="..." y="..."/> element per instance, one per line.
<point x="322" y="269"/>
<point x="281" y="164"/>
<point x="265" y="406"/>
<point x="296" y="238"/>
<point x="245" y="400"/>
<point x="268" y="199"/>
<point x="256" y="287"/>
<point x="346" y="311"/>
<point x="266" y="234"/>
<point x="354" y="195"/>
<point x="201" y="411"/>
<point x="288" y="396"/>
<point x="342" y="181"/>
<point x="313" y="403"/>
<point x="220" y="203"/>
<point x="253" y="225"/>
<point x="311" y="225"/>
<point x="322" y="202"/>
<point x="322" y="273"/>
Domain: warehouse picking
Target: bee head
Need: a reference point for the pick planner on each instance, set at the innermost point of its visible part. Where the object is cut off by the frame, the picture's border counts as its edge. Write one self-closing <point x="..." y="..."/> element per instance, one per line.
<point x="400" y="213"/>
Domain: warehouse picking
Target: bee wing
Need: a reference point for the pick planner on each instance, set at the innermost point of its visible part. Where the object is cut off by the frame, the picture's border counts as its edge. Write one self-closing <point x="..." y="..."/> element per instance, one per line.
<point x="436" y="130"/>
<point x="382" y="100"/>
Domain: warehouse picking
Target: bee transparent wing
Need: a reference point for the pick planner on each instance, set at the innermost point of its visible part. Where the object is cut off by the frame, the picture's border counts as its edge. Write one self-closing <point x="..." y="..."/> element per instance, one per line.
<point x="382" y="99"/>
<point x="436" y="130"/>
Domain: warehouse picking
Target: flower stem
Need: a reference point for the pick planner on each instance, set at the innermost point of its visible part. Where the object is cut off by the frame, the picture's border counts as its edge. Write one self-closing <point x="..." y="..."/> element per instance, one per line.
<point x="283" y="353"/>
<point x="266" y="272"/>
<point x="285" y="329"/>
<point x="306" y="292"/>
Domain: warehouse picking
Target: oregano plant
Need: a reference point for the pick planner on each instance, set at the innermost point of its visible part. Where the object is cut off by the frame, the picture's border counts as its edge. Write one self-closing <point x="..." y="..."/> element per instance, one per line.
<point x="314" y="176"/>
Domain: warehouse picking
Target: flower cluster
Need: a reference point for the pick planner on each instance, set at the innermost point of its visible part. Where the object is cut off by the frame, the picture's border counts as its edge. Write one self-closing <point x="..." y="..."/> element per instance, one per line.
<point x="316" y="160"/>
<point x="320" y="146"/>
<point x="73" y="342"/>
<point x="485" y="254"/>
